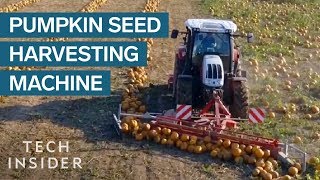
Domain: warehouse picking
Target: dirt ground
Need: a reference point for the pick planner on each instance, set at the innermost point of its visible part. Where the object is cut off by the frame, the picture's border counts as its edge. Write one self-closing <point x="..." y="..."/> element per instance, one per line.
<point x="86" y="122"/>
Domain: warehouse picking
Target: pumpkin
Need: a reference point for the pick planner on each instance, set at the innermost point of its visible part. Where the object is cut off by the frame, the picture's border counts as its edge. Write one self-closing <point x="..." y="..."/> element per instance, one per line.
<point x="204" y="148"/>
<point x="242" y="147"/>
<point x="178" y="143"/>
<point x="315" y="109"/>
<point x="226" y="143"/>
<point x="153" y="133"/>
<point x="139" y="136"/>
<point x="184" y="137"/>
<point x="164" y="141"/>
<point x="256" y="172"/>
<point x="255" y="148"/>
<point x="249" y="149"/>
<point x="125" y="105"/>
<point x="274" y="174"/>
<point x="166" y="131"/>
<point x="184" y="146"/>
<point x="174" y="136"/>
<point x="125" y="127"/>
<point x="293" y="171"/>
<point x="170" y="142"/>
<point x="193" y="141"/>
<point x="252" y="160"/>
<point x="297" y="140"/>
<point x="227" y="155"/>
<point x="209" y="146"/>
<point x="267" y="176"/>
<point x="238" y="160"/>
<point x="146" y="126"/>
<point x="298" y="166"/>
<point x="219" y="142"/>
<point x="191" y="148"/>
<point x="236" y="152"/>
<point x="158" y="129"/>
<point x="134" y="123"/>
<point x="268" y="163"/>
<point x="235" y="146"/>
<point x="214" y="153"/>
<point x="268" y="168"/>
<point x="207" y="139"/>
<point x="266" y="153"/>
<point x="259" y="153"/>
<point x="260" y="163"/>
<point x="274" y="163"/>
<point x="144" y="133"/>
<point x="286" y="177"/>
<point x="194" y="138"/>
<point x="142" y="109"/>
<point x="198" y="149"/>
<point x="157" y="139"/>
<point x="136" y="128"/>
<point x="313" y="160"/>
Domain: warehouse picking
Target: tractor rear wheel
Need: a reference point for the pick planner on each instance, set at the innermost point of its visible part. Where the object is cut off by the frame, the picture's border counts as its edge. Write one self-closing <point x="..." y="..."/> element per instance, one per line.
<point x="239" y="106"/>
<point x="184" y="90"/>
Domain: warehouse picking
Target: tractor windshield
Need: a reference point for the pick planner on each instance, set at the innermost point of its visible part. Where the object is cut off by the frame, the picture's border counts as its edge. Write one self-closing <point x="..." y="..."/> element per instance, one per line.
<point x="207" y="42"/>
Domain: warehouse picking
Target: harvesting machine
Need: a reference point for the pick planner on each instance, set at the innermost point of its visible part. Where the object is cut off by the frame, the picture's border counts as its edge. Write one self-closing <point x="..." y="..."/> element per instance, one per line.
<point x="208" y="87"/>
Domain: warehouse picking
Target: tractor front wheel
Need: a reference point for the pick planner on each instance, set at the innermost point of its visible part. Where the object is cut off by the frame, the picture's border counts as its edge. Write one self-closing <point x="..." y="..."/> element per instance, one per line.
<point x="239" y="106"/>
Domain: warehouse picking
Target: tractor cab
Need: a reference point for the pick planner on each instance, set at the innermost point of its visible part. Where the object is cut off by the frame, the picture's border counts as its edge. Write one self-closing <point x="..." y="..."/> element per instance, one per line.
<point x="206" y="61"/>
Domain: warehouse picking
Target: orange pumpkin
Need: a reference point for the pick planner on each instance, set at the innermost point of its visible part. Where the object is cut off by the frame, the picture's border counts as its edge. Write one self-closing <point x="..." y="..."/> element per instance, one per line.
<point x="174" y="136"/>
<point x="298" y="166"/>
<point x="256" y="172"/>
<point x="219" y="142"/>
<point x="164" y="141"/>
<point x="139" y="136"/>
<point x="236" y="152"/>
<point x="178" y="143"/>
<point x="266" y="153"/>
<point x="198" y="149"/>
<point x="142" y="109"/>
<point x="153" y="133"/>
<point x="235" y="146"/>
<point x="158" y="129"/>
<point x="207" y="139"/>
<point x="185" y="137"/>
<point x="125" y="127"/>
<point x="238" y="160"/>
<point x="146" y="126"/>
<point x="226" y="143"/>
<point x="249" y="149"/>
<point x="184" y="146"/>
<point x="209" y="146"/>
<point x="293" y="171"/>
<point x="170" y="142"/>
<point x="259" y="153"/>
<point x="191" y="148"/>
<point x="274" y="174"/>
<point x="157" y="139"/>
<point x="214" y="153"/>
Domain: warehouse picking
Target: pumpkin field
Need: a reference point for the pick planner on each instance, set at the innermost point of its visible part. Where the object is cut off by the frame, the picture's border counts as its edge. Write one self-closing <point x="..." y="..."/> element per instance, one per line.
<point x="283" y="71"/>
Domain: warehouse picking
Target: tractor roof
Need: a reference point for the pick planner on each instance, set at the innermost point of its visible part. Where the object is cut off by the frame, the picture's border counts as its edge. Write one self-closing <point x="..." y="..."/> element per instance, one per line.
<point x="215" y="25"/>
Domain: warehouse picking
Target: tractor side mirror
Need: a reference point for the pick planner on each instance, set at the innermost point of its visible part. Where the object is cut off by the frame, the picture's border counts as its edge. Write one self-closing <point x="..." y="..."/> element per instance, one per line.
<point x="174" y="33"/>
<point x="250" y="38"/>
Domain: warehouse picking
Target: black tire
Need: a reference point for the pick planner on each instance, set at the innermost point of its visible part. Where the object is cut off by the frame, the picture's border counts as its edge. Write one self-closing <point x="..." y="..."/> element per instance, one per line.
<point x="184" y="90"/>
<point x="240" y="104"/>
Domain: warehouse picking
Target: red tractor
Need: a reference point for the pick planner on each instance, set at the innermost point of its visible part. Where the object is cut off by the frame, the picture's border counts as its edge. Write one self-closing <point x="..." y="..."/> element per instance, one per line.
<point x="207" y="63"/>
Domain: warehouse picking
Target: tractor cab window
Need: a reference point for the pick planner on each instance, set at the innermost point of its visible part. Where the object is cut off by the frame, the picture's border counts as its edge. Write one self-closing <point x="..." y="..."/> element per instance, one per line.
<point x="208" y="42"/>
